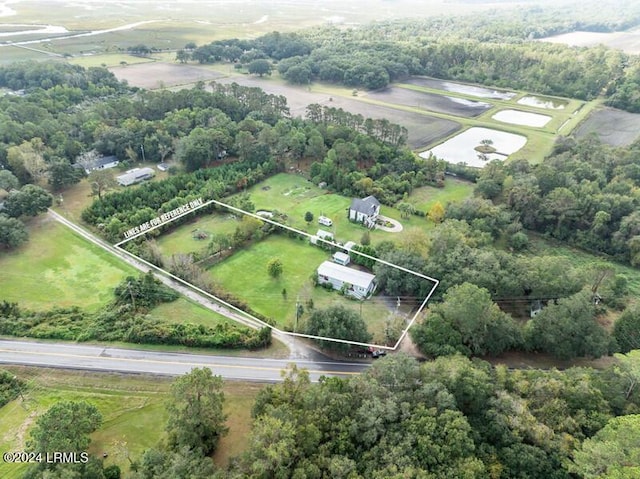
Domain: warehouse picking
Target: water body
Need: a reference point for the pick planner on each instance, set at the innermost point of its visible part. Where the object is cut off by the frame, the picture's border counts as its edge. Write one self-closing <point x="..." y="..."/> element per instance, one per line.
<point x="77" y="35"/>
<point x="32" y="29"/>
<point x="461" y="148"/>
<point x="6" y="10"/>
<point x="542" y="102"/>
<point x="517" y="117"/>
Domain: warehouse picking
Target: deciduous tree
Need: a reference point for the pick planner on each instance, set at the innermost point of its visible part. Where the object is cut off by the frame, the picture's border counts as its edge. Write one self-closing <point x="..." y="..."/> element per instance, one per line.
<point x="196" y="419"/>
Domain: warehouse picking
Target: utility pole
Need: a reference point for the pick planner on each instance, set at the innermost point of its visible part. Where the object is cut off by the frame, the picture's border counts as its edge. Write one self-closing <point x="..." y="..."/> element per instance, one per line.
<point x="142" y="150"/>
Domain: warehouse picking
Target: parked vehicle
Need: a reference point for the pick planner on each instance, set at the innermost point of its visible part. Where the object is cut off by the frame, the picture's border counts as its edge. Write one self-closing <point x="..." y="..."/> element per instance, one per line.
<point x="323" y="220"/>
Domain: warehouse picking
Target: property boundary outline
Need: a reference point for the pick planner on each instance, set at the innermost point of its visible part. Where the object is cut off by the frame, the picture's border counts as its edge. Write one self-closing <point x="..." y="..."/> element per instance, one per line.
<point x="294" y="230"/>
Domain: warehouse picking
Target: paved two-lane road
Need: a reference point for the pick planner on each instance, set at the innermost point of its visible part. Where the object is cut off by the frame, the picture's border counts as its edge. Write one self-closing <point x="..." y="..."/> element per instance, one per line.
<point x="98" y="358"/>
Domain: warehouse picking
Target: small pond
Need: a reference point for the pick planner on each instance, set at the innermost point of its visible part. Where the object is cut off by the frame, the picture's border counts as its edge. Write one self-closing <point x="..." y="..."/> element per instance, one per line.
<point x="517" y="117"/>
<point x="462" y="148"/>
<point x="477" y="91"/>
<point x="542" y="102"/>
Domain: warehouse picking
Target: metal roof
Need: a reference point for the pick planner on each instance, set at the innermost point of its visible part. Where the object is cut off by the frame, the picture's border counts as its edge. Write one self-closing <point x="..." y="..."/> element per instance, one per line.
<point x="346" y="274"/>
<point x="135" y="176"/>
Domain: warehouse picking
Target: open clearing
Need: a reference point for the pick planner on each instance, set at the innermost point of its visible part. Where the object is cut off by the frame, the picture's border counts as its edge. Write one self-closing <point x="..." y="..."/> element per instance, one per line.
<point x="57" y="268"/>
<point x="183" y="239"/>
<point x="628" y="41"/>
<point x="431" y="101"/>
<point x="132" y="408"/>
<point x="300" y="261"/>
<point x="614" y="127"/>
<point x="425" y="197"/>
<point x="161" y="74"/>
<point x="294" y="196"/>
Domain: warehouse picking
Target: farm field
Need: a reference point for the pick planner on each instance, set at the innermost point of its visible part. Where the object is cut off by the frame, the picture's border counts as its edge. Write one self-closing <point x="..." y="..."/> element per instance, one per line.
<point x="160" y="74"/>
<point x="132" y="408"/>
<point x="611" y="126"/>
<point x="628" y="41"/>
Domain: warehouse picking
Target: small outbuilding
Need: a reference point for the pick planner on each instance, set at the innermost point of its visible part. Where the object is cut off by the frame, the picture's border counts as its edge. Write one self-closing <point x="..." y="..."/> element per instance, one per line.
<point x="134" y="176"/>
<point x="341" y="258"/>
<point x="353" y="282"/>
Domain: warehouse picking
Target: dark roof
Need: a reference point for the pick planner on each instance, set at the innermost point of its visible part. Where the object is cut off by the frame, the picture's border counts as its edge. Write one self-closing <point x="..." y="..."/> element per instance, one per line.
<point x="100" y="162"/>
<point x="366" y="205"/>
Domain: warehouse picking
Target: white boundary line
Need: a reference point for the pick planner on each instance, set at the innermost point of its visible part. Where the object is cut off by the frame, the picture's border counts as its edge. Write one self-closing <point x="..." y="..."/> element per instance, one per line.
<point x="303" y="233"/>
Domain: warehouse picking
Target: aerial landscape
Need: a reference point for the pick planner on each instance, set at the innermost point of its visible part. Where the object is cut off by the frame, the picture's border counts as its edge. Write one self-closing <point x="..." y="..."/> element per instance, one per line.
<point x="320" y="239"/>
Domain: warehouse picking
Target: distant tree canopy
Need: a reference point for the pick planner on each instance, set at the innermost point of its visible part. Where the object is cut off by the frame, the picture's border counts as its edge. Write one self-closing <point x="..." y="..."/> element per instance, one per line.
<point x="492" y="48"/>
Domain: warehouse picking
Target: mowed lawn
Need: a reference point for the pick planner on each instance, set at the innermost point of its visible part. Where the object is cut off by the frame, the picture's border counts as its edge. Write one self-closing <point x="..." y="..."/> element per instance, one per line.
<point x="57" y="268"/>
<point x="182" y="240"/>
<point x="245" y="275"/>
<point x="132" y="407"/>
<point x="295" y="195"/>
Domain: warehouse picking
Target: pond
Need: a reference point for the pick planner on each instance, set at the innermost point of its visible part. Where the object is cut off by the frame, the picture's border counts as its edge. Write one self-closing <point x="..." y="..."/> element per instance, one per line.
<point x="542" y="102"/>
<point x="462" y="148"/>
<point x="462" y="88"/>
<point x="517" y="117"/>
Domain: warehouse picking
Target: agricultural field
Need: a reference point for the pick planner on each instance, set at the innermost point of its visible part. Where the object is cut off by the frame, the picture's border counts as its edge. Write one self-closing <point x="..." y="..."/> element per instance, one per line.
<point x="431" y="101"/>
<point x="132" y="408"/>
<point x="160" y="74"/>
<point x="628" y="41"/>
<point x="611" y="126"/>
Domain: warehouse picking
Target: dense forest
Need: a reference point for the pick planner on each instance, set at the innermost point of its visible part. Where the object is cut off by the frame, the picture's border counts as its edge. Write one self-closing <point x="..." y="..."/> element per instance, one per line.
<point x="449" y="418"/>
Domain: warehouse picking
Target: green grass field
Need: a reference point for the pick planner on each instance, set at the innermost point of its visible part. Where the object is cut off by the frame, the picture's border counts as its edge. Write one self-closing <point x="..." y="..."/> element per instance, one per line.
<point x="294" y="195"/>
<point x="425" y="197"/>
<point x="132" y="407"/>
<point x="108" y="60"/>
<point x="245" y="275"/>
<point x="181" y="240"/>
<point x="57" y="268"/>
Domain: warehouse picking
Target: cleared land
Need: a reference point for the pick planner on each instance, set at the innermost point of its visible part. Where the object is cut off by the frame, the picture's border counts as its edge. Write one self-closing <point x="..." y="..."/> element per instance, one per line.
<point x="628" y="42"/>
<point x="294" y="196"/>
<point x="245" y="275"/>
<point x="160" y="74"/>
<point x="425" y="197"/>
<point x="132" y="408"/>
<point x="611" y="126"/>
<point x="57" y="268"/>
<point x="183" y="239"/>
